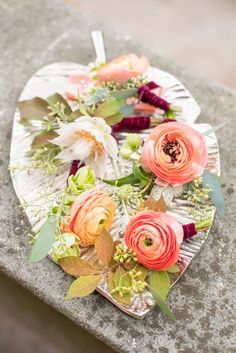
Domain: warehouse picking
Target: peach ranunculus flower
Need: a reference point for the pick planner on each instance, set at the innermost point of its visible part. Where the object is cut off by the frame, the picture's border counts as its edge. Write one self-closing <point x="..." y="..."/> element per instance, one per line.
<point x="123" y="68"/>
<point x="175" y="153"/>
<point x="91" y="213"/>
<point x="155" y="237"/>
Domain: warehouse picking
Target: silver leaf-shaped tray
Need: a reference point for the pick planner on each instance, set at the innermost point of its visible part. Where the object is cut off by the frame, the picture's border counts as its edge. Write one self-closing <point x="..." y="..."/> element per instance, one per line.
<point x="33" y="188"/>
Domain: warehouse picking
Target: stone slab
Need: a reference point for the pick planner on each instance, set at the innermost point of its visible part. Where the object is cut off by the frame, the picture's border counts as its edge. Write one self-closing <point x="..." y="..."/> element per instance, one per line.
<point x="36" y="33"/>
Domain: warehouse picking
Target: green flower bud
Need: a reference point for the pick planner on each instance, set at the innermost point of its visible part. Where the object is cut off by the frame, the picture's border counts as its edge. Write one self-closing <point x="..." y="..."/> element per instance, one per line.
<point x="133" y="141"/>
<point x="125" y="152"/>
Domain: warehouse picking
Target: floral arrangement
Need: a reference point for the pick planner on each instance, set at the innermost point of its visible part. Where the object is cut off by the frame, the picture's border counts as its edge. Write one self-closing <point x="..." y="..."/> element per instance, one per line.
<point x="111" y="116"/>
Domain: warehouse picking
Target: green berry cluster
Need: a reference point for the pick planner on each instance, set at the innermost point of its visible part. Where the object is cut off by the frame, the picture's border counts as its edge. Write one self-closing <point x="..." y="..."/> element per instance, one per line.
<point x="124" y="254"/>
<point x="197" y="193"/>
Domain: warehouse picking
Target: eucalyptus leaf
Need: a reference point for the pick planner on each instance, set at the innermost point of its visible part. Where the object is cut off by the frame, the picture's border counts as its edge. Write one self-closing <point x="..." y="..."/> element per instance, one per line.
<point x="215" y="128"/>
<point x="44" y="241"/>
<point x="216" y="194"/>
<point x="57" y="98"/>
<point x="97" y="96"/>
<point x="127" y="109"/>
<point x="124" y="94"/>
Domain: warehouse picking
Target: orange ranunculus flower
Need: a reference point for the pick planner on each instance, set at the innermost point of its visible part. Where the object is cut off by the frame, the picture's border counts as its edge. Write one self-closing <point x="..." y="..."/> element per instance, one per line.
<point x="91" y="213"/>
<point x="175" y="153"/>
<point x="155" y="237"/>
<point x="123" y="68"/>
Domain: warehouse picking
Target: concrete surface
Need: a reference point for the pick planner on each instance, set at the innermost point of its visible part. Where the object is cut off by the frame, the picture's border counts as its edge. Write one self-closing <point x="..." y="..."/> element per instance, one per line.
<point x="28" y="325"/>
<point x="204" y="300"/>
<point x="199" y="34"/>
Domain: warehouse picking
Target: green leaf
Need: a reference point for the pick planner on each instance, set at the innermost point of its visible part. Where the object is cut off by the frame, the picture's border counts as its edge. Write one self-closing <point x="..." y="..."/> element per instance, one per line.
<point x="124" y="93"/>
<point x="114" y="119"/>
<point x="160" y="282"/>
<point x="75" y="266"/>
<point x="143" y="270"/>
<point x="173" y="269"/>
<point x="123" y="300"/>
<point x="216" y="194"/>
<point x="33" y="109"/>
<point x="110" y="107"/>
<point x="83" y="286"/>
<point x="104" y="246"/>
<point x="44" y="241"/>
<point x="129" y="179"/>
<point x="140" y="174"/>
<point x="162" y="304"/>
<point x="57" y="98"/>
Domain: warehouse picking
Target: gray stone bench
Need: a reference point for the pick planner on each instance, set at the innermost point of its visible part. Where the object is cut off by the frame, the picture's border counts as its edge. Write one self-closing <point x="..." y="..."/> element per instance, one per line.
<point x="36" y="33"/>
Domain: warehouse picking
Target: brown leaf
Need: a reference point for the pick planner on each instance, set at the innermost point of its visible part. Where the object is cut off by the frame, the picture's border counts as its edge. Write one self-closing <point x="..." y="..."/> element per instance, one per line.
<point x="155" y="205"/>
<point x="57" y="98"/>
<point x="83" y="286"/>
<point x="104" y="246"/>
<point x="42" y="139"/>
<point x="76" y="114"/>
<point x="75" y="266"/>
<point x="33" y="109"/>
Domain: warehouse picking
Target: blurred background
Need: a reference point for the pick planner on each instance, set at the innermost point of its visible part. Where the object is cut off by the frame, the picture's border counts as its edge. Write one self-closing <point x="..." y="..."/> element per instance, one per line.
<point x="197" y="34"/>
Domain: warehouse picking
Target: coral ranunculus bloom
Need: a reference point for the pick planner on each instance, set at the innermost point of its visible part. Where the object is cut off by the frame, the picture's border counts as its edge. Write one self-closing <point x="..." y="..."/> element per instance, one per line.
<point x="175" y="153"/>
<point x="123" y="68"/>
<point x="91" y="213"/>
<point x="156" y="239"/>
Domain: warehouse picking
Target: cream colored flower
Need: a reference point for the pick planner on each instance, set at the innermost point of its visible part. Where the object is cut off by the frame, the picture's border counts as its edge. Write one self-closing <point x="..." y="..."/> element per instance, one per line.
<point x="89" y="140"/>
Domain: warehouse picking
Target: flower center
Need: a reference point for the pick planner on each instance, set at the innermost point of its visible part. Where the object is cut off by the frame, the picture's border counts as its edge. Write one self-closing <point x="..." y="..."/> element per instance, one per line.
<point x="148" y="242"/>
<point x="171" y="149"/>
<point x="97" y="146"/>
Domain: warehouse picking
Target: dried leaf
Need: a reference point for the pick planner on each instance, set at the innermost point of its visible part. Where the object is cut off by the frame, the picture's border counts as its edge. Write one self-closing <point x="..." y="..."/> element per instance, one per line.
<point x="76" y="114"/>
<point x="33" y="109"/>
<point x="104" y="246"/>
<point x="83" y="286"/>
<point x="75" y="266"/>
<point x="155" y="205"/>
<point x="44" y="241"/>
<point x="43" y="138"/>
